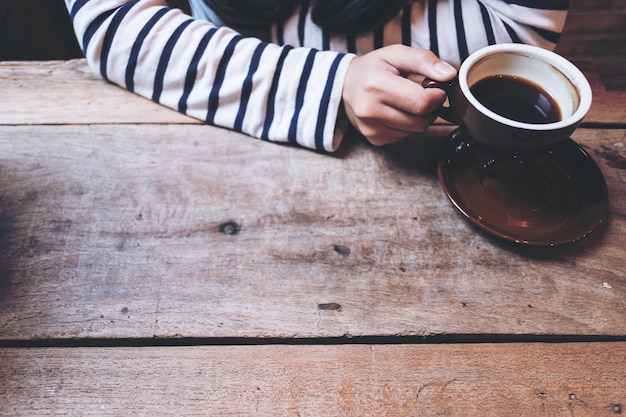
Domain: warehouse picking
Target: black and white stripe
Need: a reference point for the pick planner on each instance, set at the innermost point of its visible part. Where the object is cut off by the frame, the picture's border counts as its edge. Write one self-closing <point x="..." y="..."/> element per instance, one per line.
<point x="290" y="89"/>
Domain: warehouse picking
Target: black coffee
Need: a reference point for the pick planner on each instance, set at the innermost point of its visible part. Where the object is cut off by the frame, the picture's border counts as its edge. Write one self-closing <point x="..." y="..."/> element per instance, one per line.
<point x="517" y="99"/>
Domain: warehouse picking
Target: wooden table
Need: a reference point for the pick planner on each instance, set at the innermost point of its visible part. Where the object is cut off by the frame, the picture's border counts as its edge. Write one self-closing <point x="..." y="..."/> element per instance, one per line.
<point x="152" y="265"/>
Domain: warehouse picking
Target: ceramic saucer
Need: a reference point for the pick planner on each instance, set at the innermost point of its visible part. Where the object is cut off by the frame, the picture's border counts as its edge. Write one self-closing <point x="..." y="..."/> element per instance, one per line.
<point x="546" y="198"/>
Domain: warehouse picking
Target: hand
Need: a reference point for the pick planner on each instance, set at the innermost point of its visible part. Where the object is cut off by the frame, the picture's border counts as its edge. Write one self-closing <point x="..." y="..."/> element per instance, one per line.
<point x="382" y="103"/>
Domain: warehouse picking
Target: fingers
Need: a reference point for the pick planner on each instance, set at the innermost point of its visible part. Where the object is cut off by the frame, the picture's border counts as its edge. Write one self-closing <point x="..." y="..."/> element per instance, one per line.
<point x="395" y="118"/>
<point x="406" y="95"/>
<point x="410" y="60"/>
<point x="382" y="103"/>
<point x="380" y="134"/>
<point x="388" y="124"/>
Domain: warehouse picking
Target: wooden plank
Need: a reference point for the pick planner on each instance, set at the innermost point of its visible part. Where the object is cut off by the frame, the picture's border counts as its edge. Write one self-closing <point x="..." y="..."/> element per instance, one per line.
<point x="610" y="75"/>
<point x="187" y="230"/>
<point x="353" y="380"/>
<point x="68" y="92"/>
<point x="595" y="21"/>
<point x="614" y="73"/>
<point x="608" y="106"/>
<point x="589" y="4"/>
<point x="597" y="44"/>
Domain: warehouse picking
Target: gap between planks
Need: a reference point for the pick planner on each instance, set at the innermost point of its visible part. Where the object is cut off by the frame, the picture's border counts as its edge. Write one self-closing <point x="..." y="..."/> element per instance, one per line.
<point x="456" y="339"/>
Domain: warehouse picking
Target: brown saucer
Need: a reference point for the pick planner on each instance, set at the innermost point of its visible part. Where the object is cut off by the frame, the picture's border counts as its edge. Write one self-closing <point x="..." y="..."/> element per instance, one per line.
<point x="545" y="198"/>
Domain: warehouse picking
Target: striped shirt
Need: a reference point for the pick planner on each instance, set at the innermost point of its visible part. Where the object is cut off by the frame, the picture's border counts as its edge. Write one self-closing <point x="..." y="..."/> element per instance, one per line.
<point x="287" y="88"/>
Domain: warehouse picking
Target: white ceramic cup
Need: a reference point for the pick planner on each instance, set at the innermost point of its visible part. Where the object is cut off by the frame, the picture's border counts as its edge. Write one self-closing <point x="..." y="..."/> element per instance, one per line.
<point x="557" y="76"/>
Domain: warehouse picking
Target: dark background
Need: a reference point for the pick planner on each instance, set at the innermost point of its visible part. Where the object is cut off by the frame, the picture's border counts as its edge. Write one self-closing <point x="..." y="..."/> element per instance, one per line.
<point x="36" y="30"/>
<point x="40" y="30"/>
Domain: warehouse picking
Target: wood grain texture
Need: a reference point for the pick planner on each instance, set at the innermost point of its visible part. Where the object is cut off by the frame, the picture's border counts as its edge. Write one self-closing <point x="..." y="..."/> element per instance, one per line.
<point x="188" y="230"/>
<point x="354" y="380"/>
<point x="69" y="92"/>
<point x="123" y="223"/>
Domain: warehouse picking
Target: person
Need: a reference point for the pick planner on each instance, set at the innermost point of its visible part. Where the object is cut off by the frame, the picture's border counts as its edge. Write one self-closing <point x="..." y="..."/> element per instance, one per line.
<point x="302" y="71"/>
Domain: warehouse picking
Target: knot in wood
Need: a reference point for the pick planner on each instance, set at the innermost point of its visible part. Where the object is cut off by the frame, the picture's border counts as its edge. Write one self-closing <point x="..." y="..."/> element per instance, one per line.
<point x="329" y="307"/>
<point x="342" y="250"/>
<point x="230" y="228"/>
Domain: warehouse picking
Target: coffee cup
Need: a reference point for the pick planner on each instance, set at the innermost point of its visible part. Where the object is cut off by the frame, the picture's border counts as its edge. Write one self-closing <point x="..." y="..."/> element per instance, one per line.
<point x="516" y="96"/>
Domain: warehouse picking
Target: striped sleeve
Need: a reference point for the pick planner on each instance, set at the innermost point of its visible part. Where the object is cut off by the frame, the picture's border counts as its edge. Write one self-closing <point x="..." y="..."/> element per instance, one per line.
<point x="278" y="93"/>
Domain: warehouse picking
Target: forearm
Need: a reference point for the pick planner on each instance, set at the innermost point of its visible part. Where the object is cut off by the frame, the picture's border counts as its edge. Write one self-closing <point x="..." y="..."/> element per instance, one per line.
<point x="213" y="74"/>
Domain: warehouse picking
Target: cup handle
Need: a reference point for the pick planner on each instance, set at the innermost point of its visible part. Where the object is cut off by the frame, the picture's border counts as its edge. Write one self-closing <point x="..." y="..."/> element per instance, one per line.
<point x="445" y="112"/>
